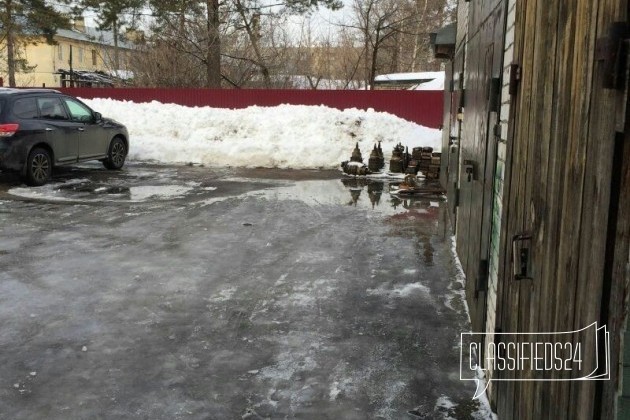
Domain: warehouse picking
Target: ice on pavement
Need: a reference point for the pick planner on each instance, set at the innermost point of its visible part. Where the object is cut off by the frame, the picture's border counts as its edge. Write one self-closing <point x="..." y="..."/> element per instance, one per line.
<point x="285" y="136"/>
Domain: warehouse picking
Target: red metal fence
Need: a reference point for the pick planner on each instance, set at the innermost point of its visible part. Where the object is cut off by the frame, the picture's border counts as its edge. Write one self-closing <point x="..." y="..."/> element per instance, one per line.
<point x="422" y="107"/>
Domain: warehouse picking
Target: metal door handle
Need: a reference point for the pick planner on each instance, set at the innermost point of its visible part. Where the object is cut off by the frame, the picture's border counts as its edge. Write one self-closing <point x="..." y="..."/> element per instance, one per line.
<point x="81" y="129"/>
<point x="48" y="129"/>
<point x="521" y="255"/>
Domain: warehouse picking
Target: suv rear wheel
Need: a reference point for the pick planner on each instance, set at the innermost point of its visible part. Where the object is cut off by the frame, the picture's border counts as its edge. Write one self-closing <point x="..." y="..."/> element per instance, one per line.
<point x="38" y="167"/>
<point x="116" y="155"/>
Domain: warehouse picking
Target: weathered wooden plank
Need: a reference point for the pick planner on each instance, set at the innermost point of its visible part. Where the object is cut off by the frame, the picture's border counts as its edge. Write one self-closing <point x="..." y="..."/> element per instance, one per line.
<point x="514" y="177"/>
<point x="575" y="177"/>
<point x="543" y="69"/>
<point x="520" y="205"/>
<point x="596" y="201"/>
<point x="546" y="63"/>
<point x="555" y="203"/>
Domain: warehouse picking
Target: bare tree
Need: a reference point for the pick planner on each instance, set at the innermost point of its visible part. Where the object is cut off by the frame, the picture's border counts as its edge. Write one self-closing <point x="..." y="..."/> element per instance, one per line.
<point x="394" y="34"/>
<point x="200" y="30"/>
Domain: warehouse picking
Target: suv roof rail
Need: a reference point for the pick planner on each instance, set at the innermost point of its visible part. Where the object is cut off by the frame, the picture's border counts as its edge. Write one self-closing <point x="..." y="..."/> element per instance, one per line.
<point x="6" y="90"/>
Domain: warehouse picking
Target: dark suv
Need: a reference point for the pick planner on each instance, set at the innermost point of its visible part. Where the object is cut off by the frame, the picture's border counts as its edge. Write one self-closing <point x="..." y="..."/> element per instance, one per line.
<point x="43" y="128"/>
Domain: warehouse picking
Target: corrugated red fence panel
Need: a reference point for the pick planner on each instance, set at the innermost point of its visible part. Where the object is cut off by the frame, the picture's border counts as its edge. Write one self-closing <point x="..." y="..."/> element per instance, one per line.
<point x="421" y="107"/>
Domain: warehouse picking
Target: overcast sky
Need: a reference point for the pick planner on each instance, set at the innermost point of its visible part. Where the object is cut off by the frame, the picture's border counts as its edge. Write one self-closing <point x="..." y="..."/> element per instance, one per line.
<point x="322" y="21"/>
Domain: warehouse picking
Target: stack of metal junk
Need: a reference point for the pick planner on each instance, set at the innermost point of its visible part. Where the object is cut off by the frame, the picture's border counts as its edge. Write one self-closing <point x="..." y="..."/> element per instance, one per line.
<point x="428" y="162"/>
<point x="434" y="167"/>
<point x="400" y="159"/>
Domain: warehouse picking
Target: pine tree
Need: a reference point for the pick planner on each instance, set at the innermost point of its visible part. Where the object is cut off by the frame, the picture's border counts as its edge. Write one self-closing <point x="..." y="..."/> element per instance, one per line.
<point x="27" y="21"/>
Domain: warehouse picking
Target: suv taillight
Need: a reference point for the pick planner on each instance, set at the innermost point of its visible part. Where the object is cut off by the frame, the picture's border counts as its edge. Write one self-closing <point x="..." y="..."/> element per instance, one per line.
<point x="7" y="130"/>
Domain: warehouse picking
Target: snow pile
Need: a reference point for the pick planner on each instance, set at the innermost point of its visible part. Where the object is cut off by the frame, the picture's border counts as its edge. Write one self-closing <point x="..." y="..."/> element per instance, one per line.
<point x="286" y="136"/>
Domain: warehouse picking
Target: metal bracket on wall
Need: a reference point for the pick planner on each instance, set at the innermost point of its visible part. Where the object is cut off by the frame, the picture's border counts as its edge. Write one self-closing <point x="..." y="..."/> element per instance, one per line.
<point x="521" y="254"/>
<point x="494" y="94"/>
<point x="453" y="141"/>
<point x="482" y="276"/>
<point x="612" y="50"/>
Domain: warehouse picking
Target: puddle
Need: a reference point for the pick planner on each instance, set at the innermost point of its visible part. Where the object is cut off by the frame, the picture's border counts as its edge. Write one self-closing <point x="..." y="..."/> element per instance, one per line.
<point x="84" y="190"/>
<point x="360" y="193"/>
<point x="145" y="185"/>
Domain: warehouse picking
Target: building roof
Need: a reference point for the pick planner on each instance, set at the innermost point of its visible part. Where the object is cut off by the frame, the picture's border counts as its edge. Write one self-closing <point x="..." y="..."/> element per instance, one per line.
<point x="95" y="36"/>
<point x="418" y="77"/>
<point x="447" y="35"/>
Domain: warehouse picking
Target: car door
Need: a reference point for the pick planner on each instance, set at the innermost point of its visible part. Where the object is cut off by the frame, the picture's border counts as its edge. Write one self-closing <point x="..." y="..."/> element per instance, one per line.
<point x="63" y="134"/>
<point x="93" y="138"/>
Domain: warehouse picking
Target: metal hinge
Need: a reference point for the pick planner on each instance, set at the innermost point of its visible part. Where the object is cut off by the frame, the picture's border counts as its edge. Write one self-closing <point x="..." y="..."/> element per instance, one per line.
<point x="494" y="94"/>
<point x="451" y="86"/>
<point x="482" y="276"/>
<point x="515" y="78"/>
<point x="456" y="197"/>
<point x="612" y="50"/>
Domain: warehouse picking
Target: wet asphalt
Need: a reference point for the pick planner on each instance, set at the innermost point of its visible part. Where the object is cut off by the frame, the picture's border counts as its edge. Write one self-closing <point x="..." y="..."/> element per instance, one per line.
<point x="179" y="292"/>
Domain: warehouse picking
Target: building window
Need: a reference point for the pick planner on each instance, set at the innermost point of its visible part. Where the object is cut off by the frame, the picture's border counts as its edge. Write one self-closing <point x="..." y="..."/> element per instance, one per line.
<point x="94" y="58"/>
<point x="80" y="54"/>
<point x="60" y="52"/>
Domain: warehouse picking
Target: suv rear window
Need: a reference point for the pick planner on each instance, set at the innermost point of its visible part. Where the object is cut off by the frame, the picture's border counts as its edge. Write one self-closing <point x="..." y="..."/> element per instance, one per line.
<point x="25" y="108"/>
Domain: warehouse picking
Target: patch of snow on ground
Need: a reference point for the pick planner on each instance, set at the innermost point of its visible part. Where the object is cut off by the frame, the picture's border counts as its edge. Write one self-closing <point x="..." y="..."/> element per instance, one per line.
<point x="484" y="411"/>
<point x="223" y="295"/>
<point x="444" y="402"/>
<point x="400" y="292"/>
<point x="286" y="136"/>
<point x="142" y="192"/>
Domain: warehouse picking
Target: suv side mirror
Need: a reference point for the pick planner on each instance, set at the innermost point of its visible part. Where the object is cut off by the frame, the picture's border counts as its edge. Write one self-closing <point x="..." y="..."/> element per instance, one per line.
<point x="98" y="117"/>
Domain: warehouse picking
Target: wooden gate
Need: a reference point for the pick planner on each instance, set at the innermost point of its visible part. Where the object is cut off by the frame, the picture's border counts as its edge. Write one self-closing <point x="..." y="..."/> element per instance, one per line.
<point x="563" y="193"/>
<point x="478" y="151"/>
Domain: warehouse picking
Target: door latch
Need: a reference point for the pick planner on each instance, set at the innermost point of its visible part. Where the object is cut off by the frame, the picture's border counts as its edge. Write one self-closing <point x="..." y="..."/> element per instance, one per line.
<point x="469" y="170"/>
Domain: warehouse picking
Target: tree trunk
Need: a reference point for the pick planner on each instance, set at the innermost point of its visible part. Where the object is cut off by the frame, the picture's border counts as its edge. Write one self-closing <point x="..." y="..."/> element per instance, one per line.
<point x="213" y="48"/>
<point x="254" y="38"/>
<point x="116" y="49"/>
<point x="374" y="62"/>
<point x="10" y="43"/>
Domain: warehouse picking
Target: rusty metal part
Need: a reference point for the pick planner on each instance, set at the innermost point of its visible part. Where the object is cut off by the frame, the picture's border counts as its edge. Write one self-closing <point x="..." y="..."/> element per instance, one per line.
<point x="376" y="161"/>
<point x="356" y="155"/>
<point x="397" y="162"/>
<point x="354" y="169"/>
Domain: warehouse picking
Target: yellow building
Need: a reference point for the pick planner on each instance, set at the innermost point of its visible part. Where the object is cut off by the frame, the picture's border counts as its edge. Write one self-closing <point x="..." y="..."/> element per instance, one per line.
<point x="87" y="51"/>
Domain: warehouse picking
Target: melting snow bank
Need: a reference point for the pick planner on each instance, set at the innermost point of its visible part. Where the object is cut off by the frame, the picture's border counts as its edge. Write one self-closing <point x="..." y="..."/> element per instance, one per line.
<point x="286" y="136"/>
